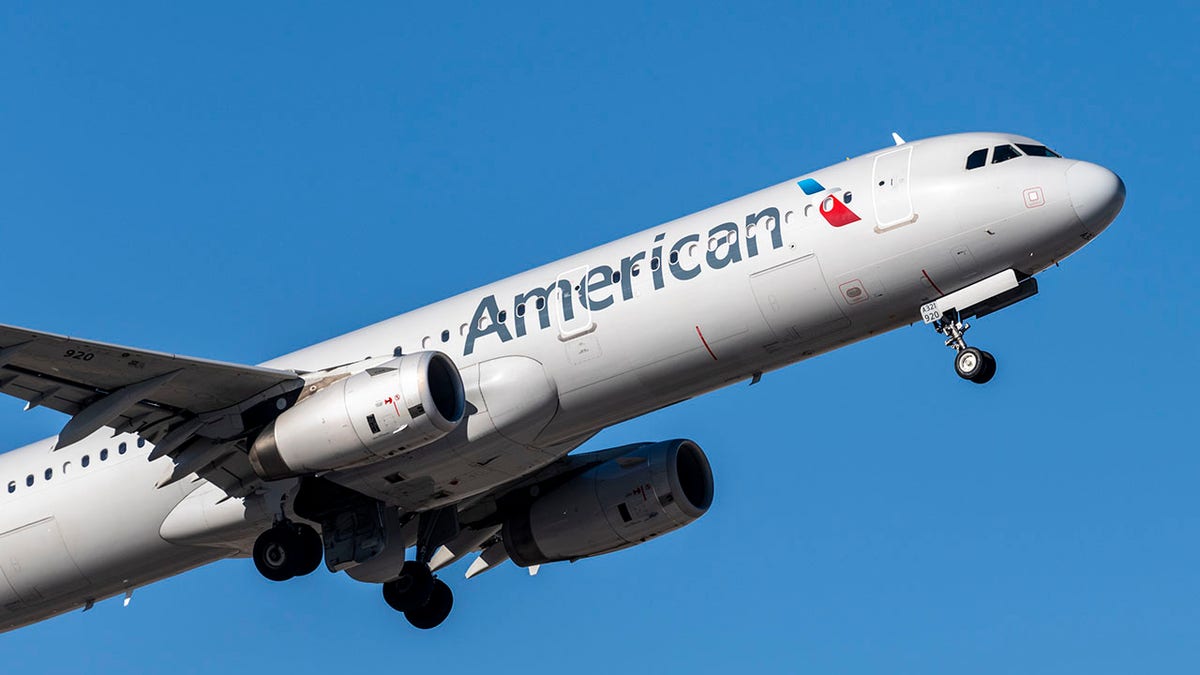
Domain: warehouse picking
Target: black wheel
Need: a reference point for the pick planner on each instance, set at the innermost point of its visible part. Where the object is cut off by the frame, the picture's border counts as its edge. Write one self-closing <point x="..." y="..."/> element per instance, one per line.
<point x="412" y="589"/>
<point x="969" y="364"/>
<point x="308" y="547"/>
<point x="434" y="612"/>
<point x="989" y="369"/>
<point x="274" y="553"/>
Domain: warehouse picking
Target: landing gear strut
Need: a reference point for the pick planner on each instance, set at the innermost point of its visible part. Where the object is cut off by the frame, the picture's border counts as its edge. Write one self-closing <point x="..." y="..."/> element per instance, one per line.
<point x="970" y="363"/>
<point x="424" y="599"/>
<point x="288" y="550"/>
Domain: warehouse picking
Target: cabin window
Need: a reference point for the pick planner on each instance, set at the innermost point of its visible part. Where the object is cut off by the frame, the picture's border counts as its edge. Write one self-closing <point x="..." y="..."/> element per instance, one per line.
<point x="426" y="342"/>
<point x="84" y="461"/>
<point x="521" y="309"/>
<point x="141" y="442"/>
<point x="1003" y="153"/>
<point x="49" y="473"/>
<point x="635" y="270"/>
<point x="502" y="316"/>
<point x="445" y="336"/>
<point x="976" y="159"/>
<point x="674" y="257"/>
<point x="1037" y="150"/>
<point x="12" y="486"/>
<point x="29" y="480"/>
<point x="655" y="263"/>
<point x="104" y="454"/>
<point x="616" y="277"/>
<point x="541" y="303"/>
<point x="121" y="449"/>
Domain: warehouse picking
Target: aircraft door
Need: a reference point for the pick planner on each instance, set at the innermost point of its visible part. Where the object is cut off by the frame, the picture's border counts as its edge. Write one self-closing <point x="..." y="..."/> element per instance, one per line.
<point x="36" y="562"/>
<point x="890" y="188"/>
<point x="571" y="316"/>
<point x="796" y="302"/>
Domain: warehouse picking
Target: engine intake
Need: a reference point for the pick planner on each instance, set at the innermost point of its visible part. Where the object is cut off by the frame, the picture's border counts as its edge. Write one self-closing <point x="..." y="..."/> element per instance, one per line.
<point x="386" y="409"/>
<point x="654" y="489"/>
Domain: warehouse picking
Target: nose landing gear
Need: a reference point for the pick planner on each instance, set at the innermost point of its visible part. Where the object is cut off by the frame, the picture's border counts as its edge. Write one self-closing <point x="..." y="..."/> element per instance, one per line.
<point x="970" y="363"/>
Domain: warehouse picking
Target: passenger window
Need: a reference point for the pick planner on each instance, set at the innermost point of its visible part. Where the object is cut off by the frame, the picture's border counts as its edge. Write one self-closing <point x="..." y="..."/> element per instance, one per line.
<point x="977" y="159"/>
<point x="84" y="461"/>
<point x="445" y="336"/>
<point x="1003" y="153"/>
<point x="121" y="449"/>
<point x="104" y="454"/>
<point x="12" y="486"/>
<point x="29" y="480"/>
<point x="1037" y="151"/>
<point x="141" y="442"/>
<point x="49" y="474"/>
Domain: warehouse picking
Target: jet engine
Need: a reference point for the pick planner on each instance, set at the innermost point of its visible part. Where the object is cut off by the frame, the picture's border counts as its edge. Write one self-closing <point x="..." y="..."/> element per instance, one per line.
<point x="386" y="409"/>
<point x="654" y="489"/>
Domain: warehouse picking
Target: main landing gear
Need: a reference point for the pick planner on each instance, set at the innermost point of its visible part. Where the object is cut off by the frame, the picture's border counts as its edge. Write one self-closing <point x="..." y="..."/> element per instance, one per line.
<point x="970" y="363"/>
<point x="288" y="550"/>
<point x="424" y="599"/>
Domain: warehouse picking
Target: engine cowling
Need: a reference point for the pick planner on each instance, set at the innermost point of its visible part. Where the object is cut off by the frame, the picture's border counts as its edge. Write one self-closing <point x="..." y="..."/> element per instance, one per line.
<point x="386" y="409"/>
<point x="654" y="489"/>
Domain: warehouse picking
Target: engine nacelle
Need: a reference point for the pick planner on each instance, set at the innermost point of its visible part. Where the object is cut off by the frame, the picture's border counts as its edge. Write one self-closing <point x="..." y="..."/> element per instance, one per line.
<point x="655" y="489"/>
<point x="395" y="406"/>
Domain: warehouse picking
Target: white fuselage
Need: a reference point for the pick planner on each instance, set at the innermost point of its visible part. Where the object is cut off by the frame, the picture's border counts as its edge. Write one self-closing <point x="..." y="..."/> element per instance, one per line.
<point x="663" y="315"/>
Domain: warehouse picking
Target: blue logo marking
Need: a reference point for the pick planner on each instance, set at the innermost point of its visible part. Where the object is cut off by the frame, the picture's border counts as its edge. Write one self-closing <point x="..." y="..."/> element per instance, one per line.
<point x="810" y="186"/>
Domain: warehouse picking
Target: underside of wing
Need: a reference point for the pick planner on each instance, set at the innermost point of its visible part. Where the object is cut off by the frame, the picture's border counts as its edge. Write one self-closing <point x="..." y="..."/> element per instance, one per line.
<point x="196" y="410"/>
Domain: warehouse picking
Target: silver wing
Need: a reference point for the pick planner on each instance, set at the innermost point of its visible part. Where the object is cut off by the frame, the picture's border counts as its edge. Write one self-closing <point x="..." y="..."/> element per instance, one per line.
<point x="195" y="410"/>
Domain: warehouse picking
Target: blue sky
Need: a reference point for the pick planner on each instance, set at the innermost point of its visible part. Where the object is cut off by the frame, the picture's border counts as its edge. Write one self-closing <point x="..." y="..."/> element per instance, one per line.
<point x="238" y="180"/>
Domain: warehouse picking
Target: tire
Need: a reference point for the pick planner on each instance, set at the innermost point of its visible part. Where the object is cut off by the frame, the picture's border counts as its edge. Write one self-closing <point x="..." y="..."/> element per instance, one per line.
<point x="309" y="549"/>
<point x="412" y="589"/>
<point x="969" y="364"/>
<point x="988" y="371"/>
<point x="275" y="554"/>
<point x="434" y="612"/>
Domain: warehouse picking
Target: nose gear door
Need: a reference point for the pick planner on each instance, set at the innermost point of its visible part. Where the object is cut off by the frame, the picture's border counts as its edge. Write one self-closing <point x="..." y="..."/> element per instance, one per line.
<point x="890" y="188"/>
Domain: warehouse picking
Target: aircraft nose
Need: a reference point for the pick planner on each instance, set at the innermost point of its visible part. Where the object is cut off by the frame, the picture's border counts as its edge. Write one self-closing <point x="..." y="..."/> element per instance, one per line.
<point x="1097" y="194"/>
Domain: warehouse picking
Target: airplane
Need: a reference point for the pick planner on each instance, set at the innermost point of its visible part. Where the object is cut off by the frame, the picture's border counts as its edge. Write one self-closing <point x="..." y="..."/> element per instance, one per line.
<point x="449" y="431"/>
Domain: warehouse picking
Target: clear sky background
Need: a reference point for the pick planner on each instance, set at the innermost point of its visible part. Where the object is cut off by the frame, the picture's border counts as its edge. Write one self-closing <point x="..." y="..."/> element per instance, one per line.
<point x="242" y="179"/>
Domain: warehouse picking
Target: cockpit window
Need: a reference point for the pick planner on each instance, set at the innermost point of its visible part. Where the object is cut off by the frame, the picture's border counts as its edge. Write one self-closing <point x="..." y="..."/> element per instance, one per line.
<point x="1037" y="150"/>
<point x="977" y="159"/>
<point x="1003" y="153"/>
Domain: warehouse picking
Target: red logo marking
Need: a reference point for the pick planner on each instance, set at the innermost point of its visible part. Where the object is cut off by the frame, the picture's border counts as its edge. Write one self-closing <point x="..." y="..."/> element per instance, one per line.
<point x="836" y="213"/>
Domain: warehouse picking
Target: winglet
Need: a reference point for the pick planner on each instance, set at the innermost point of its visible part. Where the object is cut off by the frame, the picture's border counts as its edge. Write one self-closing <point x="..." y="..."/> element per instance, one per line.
<point x="896" y="137"/>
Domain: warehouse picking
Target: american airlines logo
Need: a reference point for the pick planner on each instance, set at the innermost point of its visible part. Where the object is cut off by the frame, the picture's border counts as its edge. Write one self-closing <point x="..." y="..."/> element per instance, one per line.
<point x="603" y="285"/>
<point x="833" y="210"/>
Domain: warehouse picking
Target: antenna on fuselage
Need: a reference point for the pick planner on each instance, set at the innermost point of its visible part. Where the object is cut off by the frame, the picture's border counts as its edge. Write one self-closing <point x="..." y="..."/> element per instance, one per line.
<point x="896" y="137"/>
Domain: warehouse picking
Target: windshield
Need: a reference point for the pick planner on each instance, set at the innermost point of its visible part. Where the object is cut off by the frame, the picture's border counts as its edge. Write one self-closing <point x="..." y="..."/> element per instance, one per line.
<point x="1037" y="150"/>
